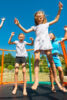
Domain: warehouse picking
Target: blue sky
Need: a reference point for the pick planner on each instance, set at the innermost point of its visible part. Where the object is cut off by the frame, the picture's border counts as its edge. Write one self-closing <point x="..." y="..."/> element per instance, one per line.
<point x="24" y="10"/>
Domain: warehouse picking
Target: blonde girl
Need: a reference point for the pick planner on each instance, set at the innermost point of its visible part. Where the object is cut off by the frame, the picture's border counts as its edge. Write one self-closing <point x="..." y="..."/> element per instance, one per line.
<point x="42" y="43"/>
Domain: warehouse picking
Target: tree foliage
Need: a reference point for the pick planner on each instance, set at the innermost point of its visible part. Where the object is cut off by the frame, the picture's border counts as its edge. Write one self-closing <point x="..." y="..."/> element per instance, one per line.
<point x="9" y="62"/>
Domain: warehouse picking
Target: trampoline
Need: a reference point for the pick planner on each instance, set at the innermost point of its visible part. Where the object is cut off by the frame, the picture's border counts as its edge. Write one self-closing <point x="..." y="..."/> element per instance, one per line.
<point x="43" y="92"/>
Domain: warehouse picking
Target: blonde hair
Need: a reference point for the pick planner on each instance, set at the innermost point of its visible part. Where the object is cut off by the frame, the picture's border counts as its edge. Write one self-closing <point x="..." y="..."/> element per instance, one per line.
<point x="53" y="35"/>
<point x="36" y="18"/>
<point x="21" y="34"/>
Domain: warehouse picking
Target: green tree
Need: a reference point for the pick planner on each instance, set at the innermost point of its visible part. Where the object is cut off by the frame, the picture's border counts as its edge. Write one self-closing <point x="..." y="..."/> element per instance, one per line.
<point x="9" y="60"/>
<point x="10" y="67"/>
<point x="43" y="64"/>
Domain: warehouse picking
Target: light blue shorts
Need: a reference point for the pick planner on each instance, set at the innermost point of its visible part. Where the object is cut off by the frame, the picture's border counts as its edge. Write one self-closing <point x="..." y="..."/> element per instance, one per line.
<point x="56" y="61"/>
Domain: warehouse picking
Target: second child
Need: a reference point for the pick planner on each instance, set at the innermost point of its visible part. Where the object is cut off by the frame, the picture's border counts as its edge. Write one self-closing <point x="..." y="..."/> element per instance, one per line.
<point x="21" y="55"/>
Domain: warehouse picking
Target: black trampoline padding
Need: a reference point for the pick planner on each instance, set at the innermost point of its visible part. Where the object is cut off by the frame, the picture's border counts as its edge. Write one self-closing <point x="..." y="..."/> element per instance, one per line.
<point x="42" y="93"/>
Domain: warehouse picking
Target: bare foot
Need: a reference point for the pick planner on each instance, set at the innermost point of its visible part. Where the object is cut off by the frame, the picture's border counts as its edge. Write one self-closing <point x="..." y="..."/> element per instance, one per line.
<point x="14" y="91"/>
<point x="34" y="87"/>
<point x="24" y="93"/>
<point x="53" y="90"/>
<point x="64" y="89"/>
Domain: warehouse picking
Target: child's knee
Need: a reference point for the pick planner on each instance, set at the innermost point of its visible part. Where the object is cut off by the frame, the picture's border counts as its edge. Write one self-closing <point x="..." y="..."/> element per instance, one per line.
<point x="60" y="70"/>
<point x="51" y="62"/>
<point x="23" y="65"/>
<point x="50" y="58"/>
<point x="16" y="65"/>
<point x="51" y="72"/>
<point x="36" y="62"/>
<point x="16" y="71"/>
<point x="24" y="70"/>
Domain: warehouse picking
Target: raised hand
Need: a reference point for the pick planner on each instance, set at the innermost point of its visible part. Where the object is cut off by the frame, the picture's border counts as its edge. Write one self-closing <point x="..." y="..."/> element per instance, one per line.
<point x="60" y="5"/>
<point x="65" y="27"/>
<point x="31" y="38"/>
<point x="16" y="21"/>
<point x="13" y="33"/>
<point x="3" y="19"/>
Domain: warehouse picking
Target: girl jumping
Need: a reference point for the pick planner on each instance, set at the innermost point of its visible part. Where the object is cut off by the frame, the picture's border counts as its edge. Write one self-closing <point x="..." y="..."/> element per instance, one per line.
<point x="42" y="43"/>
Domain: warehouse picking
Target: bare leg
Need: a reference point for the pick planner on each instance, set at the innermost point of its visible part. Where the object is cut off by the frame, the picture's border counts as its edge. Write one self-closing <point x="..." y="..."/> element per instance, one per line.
<point x="50" y="59"/>
<point x="36" y="70"/>
<point x="52" y="80"/>
<point x="15" y="78"/>
<point x="24" y="79"/>
<point x="61" y="75"/>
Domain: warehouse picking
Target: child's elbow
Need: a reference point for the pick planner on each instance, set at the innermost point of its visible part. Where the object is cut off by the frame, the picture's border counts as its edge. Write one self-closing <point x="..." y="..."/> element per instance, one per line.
<point x="26" y="31"/>
<point x="8" y="42"/>
<point x="32" y="44"/>
<point x="66" y="39"/>
<point x="56" y="20"/>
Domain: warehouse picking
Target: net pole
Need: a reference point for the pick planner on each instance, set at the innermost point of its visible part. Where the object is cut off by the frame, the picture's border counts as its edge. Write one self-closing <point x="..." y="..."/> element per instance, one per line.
<point x="30" y="73"/>
<point x="2" y="67"/>
<point x="64" y="52"/>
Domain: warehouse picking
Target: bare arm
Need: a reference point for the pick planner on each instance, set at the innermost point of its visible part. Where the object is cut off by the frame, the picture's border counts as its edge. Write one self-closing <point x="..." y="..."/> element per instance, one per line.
<point x="21" y="27"/>
<point x="31" y="42"/>
<point x="58" y="15"/>
<point x="9" y="42"/>
<point x="65" y="36"/>
<point x="3" y="19"/>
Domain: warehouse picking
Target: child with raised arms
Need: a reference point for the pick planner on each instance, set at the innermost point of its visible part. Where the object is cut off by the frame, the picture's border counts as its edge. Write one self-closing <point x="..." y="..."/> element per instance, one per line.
<point x="55" y="41"/>
<point x="21" y="55"/>
<point x="42" y="43"/>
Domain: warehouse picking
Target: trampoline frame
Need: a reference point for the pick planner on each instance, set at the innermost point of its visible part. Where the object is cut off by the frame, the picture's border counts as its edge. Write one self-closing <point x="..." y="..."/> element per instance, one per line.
<point x="30" y="72"/>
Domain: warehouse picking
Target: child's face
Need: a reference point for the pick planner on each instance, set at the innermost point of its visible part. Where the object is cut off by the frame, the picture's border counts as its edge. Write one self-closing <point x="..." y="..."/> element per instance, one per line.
<point x="21" y="37"/>
<point x="51" y="35"/>
<point x="40" y="17"/>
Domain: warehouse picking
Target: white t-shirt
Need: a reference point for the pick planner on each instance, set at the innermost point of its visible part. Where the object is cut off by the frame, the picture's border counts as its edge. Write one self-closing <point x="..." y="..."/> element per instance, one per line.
<point x="42" y="41"/>
<point x="20" y="49"/>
